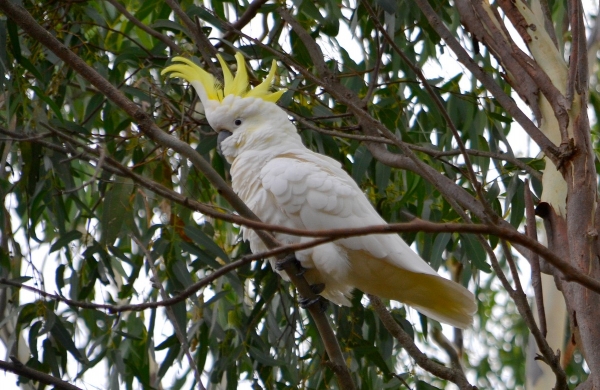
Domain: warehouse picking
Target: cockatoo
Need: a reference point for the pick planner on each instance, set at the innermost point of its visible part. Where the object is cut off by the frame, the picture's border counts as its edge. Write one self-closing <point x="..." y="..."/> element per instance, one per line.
<point x="284" y="183"/>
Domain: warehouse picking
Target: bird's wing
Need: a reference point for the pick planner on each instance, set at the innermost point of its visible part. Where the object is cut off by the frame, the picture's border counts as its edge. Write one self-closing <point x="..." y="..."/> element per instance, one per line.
<point x="316" y="190"/>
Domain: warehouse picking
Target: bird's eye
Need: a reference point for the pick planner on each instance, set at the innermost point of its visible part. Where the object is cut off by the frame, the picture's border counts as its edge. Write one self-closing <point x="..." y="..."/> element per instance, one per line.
<point x="237" y="122"/>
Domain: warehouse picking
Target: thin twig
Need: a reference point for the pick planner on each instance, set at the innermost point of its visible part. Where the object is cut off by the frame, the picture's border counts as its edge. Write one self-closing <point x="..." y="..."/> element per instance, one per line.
<point x="536" y="277"/>
<point x="243" y="20"/>
<point x="97" y="171"/>
<point x="202" y="43"/>
<point x="165" y="39"/>
<point x="375" y="75"/>
<point x="428" y="150"/>
<point x="35" y="375"/>
<point x="448" y="347"/>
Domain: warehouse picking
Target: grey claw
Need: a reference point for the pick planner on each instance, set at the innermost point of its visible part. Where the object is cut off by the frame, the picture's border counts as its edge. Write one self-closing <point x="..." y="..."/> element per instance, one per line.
<point x="319" y="300"/>
<point x="279" y="265"/>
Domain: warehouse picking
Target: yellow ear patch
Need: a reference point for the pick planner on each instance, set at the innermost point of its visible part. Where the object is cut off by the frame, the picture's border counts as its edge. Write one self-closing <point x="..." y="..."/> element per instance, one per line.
<point x="237" y="86"/>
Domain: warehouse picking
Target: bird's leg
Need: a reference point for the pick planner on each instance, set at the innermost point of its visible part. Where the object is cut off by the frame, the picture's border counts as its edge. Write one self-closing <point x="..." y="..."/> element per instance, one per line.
<point x="291" y="258"/>
<point x="317" y="288"/>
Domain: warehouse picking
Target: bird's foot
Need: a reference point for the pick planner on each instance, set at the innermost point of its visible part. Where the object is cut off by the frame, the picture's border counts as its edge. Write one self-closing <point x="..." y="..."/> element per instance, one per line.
<point x="318" y="300"/>
<point x="321" y="303"/>
<point x="280" y="265"/>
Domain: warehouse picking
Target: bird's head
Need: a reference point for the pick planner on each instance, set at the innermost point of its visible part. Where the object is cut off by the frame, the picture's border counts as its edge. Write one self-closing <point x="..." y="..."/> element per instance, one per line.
<point x="245" y="118"/>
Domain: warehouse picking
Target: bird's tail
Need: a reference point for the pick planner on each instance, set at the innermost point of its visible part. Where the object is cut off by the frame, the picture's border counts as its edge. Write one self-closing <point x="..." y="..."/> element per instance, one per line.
<point x="441" y="299"/>
<point x="436" y="297"/>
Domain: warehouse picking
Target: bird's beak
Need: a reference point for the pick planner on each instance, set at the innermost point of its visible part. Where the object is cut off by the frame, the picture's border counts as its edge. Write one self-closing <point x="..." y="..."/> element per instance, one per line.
<point x="222" y="136"/>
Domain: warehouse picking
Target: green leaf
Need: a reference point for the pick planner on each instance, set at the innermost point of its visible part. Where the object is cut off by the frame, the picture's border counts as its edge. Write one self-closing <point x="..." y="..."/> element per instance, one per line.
<point x="475" y="252"/>
<point x="65" y="340"/>
<point x="206" y="243"/>
<point x="13" y="34"/>
<point x="500" y="117"/>
<point x="25" y="63"/>
<point x="517" y="208"/>
<point x="21" y="279"/>
<point x="40" y="94"/>
<point x="383" y="174"/>
<point x="59" y="277"/>
<point x="93" y="108"/>
<point x="263" y="358"/>
<point x="167" y="363"/>
<point x="362" y="159"/>
<point x="182" y="273"/>
<point x="65" y="239"/>
<point x="169" y="342"/>
<point x="32" y="338"/>
<point x="50" y="357"/>
<point x="3" y="49"/>
<point x="116" y="209"/>
<point x="439" y="246"/>
<point x="164" y="24"/>
<point x="390" y="6"/>
<point x="27" y="313"/>
<point x="421" y="385"/>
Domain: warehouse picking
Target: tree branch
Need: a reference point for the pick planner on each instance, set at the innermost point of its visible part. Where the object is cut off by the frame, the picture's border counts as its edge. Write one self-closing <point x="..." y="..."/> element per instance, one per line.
<point x="35" y="375"/>
<point x="207" y="51"/>
<point x="448" y="347"/>
<point x="536" y="277"/>
<point x="243" y="20"/>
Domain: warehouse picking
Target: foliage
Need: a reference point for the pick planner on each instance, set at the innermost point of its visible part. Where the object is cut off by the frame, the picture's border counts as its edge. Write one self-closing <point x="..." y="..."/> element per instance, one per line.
<point x="73" y="226"/>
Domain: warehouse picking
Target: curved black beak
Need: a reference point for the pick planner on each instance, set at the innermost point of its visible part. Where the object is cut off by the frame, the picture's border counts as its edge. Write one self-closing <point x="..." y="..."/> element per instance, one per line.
<point x="222" y="136"/>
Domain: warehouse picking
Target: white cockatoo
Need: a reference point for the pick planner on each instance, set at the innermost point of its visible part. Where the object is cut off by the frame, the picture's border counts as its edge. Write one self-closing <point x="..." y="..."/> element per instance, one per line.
<point x="286" y="184"/>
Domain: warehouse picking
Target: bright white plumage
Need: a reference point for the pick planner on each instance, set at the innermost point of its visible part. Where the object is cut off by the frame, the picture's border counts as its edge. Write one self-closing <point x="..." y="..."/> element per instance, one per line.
<point x="286" y="184"/>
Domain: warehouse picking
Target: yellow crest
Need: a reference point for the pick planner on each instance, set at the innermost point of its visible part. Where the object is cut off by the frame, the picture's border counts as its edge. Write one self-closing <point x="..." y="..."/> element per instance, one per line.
<point x="237" y="85"/>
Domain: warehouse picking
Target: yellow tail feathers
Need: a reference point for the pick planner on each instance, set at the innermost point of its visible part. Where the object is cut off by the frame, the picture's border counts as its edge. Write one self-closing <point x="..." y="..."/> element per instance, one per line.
<point x="436" y="297"/>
